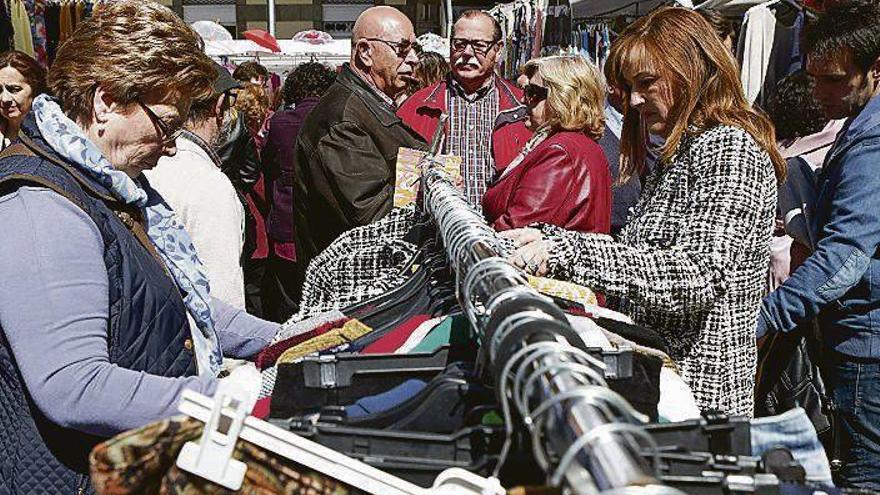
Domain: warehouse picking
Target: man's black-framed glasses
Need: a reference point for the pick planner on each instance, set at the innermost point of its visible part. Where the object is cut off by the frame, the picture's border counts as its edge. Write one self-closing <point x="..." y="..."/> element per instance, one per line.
<point x="535" y="93"/>
<point x="167" y="135"/>
<point x="481" y="47"/>
<point x="401" y="48"/>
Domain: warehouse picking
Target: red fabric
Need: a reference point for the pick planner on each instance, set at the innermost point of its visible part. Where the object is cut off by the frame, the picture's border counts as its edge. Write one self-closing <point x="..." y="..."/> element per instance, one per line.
<point x="422" y="110"/>
<point x="261" y="408"/>
<point x="565" y="181"/>
<point x="256" y="200"/>
<point x="267" y="357"/>
<point x="394" y="339"/>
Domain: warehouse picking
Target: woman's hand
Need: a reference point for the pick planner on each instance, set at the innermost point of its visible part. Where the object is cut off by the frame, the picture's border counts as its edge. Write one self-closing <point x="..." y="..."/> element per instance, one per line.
<point x="532" y="253"/>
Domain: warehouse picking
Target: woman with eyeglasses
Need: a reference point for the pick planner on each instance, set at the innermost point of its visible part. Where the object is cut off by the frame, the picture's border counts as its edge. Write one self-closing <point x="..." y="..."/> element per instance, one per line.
<point x="106" y="314"/>
<point x="561" y="176"/>
<point x="692" y="259"/>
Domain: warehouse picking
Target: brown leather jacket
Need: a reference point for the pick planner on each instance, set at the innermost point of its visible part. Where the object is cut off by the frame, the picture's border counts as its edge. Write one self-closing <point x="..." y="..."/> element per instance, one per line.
<point x="345" y="163"/>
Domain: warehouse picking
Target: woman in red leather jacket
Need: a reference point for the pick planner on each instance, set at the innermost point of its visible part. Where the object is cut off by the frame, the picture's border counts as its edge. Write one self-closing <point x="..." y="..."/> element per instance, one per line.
<point x="561" y="176"/>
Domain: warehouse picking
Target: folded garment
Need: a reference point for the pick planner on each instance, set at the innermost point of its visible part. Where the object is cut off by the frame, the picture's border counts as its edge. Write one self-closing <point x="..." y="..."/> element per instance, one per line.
<point x="455" y="330"/>
<point x="419" y="335"/>
<point x="350" y="331"/>
<point x="386" y="400"/>
<point x="389" y="343"/>
<point x="794" y="431"/>
<point x="292" y="329"/>
<point x="268" y="356"/>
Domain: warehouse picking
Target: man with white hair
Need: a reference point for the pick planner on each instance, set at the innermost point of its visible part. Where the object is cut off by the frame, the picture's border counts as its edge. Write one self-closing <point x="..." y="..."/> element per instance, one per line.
<point x="486" y="124"/>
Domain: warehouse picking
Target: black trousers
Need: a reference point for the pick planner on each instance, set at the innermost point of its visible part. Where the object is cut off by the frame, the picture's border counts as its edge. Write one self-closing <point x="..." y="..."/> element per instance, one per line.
<point x="282" y="289"/>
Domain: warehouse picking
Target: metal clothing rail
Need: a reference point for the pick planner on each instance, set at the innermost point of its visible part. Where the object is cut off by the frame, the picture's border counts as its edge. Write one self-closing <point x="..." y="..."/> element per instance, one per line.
<point x="585" y="436"/>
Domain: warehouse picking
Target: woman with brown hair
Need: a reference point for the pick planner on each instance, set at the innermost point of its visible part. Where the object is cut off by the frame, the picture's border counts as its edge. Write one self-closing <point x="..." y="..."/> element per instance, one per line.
<point x="106" y="313"/>
<point x="691" y="261"/>
<point x="561" y="176"/>
<point x="21" y="80"/>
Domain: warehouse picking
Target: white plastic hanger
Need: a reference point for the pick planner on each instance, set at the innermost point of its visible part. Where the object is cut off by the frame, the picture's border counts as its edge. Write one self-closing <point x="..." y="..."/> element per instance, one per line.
<point x="226" y="421"/>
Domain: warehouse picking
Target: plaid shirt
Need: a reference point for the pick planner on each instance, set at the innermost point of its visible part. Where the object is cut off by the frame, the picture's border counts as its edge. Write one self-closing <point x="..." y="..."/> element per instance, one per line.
<point x="471" y="122"/>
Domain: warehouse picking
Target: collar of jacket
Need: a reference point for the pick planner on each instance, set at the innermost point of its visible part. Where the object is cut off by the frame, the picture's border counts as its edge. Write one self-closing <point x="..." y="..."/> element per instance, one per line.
<point x="198" y="141"/>
<point x="507" y="101"/>
<point x="864" y="125"/>
<point x="380" y="109"/>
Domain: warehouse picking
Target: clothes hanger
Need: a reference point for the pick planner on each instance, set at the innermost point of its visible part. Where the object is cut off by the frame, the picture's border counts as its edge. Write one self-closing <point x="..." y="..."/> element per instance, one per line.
<point x="226" y="421"/>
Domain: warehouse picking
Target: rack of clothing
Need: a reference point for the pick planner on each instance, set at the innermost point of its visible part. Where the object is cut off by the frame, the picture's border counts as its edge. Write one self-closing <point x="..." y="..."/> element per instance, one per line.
<point x="425" y="363"/>
<point x="522" y="28"/>
<point x="769" y="46"/>
<point x="558" y="390"/>
<point x="592" y="38"/>
<point x="38" y="27"/>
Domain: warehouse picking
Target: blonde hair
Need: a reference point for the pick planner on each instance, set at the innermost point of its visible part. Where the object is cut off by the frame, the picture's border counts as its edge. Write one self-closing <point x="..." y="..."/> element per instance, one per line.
<point x="131" y="49"/>
<point x="576" y="97"/>
<point x="253" y="103"/>
<point x="682" y="47"/>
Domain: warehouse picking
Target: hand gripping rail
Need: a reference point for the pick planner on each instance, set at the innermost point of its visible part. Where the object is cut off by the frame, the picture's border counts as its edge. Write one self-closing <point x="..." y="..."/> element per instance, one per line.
<point x="584" y="435"/>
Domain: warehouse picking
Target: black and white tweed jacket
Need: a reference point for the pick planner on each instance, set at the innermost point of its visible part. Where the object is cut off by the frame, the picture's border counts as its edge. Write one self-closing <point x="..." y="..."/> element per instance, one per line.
<point x="691" y="261"/>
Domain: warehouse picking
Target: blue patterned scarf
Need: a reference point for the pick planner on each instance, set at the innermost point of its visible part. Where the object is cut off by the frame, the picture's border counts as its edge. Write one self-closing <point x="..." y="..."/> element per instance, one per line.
<point x="163" y="228"/>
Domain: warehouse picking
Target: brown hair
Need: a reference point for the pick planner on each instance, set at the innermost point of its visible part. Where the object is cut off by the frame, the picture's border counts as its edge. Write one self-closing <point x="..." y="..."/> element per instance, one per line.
<point x="30" y="70"/>
<point x="131" y="49"/>
<point x="249" y="70"/>
<point x="432" y="68"/>
<point x="681" y="46"/>
<point x="576" y="96"/>
<point x="253" y="103"/>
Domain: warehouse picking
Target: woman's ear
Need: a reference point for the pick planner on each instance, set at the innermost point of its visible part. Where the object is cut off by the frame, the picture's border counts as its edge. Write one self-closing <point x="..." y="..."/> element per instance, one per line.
<point x="102" y="106"/>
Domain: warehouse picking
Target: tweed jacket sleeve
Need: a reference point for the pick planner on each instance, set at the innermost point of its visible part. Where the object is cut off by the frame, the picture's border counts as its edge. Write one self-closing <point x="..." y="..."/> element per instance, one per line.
<point x="713" y="196"/>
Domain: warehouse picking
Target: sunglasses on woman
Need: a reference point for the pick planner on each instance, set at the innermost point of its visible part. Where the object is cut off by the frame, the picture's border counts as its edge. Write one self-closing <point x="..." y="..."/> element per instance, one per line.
<point x="535" y="93"/>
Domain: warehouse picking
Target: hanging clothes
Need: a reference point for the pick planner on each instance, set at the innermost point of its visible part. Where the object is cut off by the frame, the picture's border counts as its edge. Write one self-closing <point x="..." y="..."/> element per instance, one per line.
<point x="768" y="48"/>
<point x="39" y="32"/>
<point x="52" y="15"/>
<point x="66" y="22"/>
<point x="6" y="30"/>
<point x="79" y="13"/>
<point x="21" y="24"/>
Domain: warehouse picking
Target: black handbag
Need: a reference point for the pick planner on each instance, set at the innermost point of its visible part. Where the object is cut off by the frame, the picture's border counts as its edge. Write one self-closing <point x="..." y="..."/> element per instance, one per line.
<point x="790" y="375"/>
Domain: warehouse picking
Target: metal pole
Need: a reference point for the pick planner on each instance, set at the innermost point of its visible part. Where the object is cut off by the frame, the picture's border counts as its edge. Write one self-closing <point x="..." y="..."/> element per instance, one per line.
<point x="271" y="17"/>
<point x="448" y="4"/>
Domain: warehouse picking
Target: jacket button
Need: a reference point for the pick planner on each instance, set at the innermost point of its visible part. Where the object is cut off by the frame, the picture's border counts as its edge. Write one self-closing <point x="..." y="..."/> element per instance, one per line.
<point x="188" y="345"/>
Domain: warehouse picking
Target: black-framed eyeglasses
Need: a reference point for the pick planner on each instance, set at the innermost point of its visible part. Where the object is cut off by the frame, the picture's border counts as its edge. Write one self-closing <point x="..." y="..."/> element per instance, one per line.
<point x="166" y="134"/>
<point x="401" y="48"/>
<point x="481" y="47"/>
<point x="535" y="93"/>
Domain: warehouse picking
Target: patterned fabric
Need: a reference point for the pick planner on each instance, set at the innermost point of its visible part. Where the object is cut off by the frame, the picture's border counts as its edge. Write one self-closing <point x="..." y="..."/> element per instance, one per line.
<point x="360" y="264"/>
<point x="564" y="290"/>
<point x="164" y="229"/>
<point x="691" y="262"/>
<point x="471" y="122"/>
<point x="142" y="461"/>
<point x="38" y="29"/>
<point x="349" y="332"/>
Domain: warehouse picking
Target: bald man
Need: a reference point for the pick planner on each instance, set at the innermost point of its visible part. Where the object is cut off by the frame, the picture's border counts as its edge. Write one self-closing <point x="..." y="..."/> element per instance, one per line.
<point x="347" y="148"/>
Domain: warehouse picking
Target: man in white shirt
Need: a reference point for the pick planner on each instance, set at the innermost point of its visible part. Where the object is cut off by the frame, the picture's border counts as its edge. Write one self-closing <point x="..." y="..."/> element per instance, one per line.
<point x="203" y="197"/>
